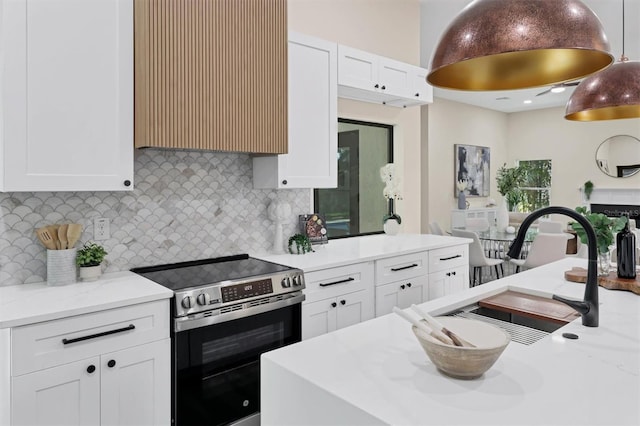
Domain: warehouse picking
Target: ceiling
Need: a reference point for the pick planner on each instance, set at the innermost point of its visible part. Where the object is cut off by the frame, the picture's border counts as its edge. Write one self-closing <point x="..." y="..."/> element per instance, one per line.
<point x="437" y="14"/>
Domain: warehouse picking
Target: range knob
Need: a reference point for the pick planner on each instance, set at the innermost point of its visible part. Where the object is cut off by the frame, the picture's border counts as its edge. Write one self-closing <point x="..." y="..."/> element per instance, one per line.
<point x="187" y="302"/>
<point x="203" y="299"/>
<point x="286" y="282"/>
<point x="297" y="280"/>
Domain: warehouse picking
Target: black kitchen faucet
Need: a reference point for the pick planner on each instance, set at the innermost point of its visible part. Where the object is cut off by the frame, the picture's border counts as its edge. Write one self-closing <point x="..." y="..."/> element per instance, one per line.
<point x="588" y="308"/>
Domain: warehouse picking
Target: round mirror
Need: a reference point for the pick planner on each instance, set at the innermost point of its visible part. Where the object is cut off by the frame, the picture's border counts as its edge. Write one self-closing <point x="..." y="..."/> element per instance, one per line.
<point x="619" y="156"/>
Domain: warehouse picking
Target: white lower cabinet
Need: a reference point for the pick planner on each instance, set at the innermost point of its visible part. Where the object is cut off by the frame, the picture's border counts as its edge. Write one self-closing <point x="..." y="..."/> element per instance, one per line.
<point x="401" y="294"/>
<point x="105" y="368"/>
<point x="448" y="282"/>
<point x="337" y="298"/>
<point x="334" y="313"/>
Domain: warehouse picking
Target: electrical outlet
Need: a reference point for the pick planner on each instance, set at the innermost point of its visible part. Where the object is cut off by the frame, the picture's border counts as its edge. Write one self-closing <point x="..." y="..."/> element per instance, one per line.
<point x="101" y="229"/>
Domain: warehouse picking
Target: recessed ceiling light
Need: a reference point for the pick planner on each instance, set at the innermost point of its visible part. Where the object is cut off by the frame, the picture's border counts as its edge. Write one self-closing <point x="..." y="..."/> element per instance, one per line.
<point x="558" y="89"/>
<point x="528" y="101"/>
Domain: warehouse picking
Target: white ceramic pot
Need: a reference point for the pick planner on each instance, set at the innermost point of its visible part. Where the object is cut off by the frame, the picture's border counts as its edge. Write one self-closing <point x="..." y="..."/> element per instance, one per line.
<point x="502" y="216"/>
<point x="391" y="227"/>
<point x="90" y="273"/>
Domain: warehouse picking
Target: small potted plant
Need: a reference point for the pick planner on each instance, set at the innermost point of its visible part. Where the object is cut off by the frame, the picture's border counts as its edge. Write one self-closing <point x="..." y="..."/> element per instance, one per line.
<point x="89" y="258"/>
<point x="299" y="244"/>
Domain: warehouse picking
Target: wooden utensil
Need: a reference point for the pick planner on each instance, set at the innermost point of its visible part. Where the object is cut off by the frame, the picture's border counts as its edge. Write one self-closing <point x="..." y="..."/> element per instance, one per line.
<point x="62" y="236"/>
<point x="73" y="234"/>
<point x="437" y="326"/>
<point x="422" y="326"/>
<point x="53" y="231"/>
<point x="45" y="238"/>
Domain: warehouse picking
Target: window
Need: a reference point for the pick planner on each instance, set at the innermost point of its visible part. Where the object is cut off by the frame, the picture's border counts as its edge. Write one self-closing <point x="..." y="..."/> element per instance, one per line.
<point x="357" y="206"/>
<point x="537" y="184"/>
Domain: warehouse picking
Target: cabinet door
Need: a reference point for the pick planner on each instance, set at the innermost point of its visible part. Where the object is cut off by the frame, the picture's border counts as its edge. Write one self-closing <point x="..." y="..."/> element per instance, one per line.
<point x="395" y="78"/>
<point x="65" y="395"/>
<point x="420" y="89"/>
<point x="67" y="91"/>
<point x="358" y="69"/>
<point x="446" y="282"/>
<point x="318" y="318"/>
<point x="312" y="160"/>
<point x="136" y="385"/>
<point x="354" y="308"/>
<point x="401" y="294"/>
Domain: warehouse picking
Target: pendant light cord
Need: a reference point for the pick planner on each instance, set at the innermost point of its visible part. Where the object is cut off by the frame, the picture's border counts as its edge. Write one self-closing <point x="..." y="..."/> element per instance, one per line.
<point x="623" y="58"/>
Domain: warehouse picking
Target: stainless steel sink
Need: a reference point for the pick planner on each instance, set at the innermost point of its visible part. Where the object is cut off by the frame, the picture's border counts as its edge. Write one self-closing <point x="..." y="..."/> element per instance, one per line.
<point x="523" y="329"/>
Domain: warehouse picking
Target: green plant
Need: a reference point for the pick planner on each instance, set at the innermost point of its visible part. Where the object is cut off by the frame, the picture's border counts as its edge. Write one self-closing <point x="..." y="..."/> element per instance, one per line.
<point x="509" y="180"/>
<point x="588" y="189"/>
<point x="603" y="226"/>
<point x="302" y="244"/>
<point x="91" y="254"/>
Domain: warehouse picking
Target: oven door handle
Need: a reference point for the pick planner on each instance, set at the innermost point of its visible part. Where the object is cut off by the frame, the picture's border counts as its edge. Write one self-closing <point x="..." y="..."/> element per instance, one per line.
<point x="187" y="323"/>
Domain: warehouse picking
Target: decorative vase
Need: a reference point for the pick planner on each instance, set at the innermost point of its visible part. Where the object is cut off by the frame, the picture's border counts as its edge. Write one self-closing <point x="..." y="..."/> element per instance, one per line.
<point x="502" y="216"/>
<point x="90" y="273"/>
<point x="604" y="264"/>
<point x="462" y="200"/>
<point x="391" y="221"/>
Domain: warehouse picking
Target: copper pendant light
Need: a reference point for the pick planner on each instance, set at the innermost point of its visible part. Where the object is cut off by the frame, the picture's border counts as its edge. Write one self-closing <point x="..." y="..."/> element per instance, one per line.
<point x="611" y="94"/>
<point x="516" y="44"/>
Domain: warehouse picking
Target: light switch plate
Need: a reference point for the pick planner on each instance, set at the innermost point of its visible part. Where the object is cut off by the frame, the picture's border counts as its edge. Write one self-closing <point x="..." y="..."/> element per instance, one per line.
<point x="101" y="229"/>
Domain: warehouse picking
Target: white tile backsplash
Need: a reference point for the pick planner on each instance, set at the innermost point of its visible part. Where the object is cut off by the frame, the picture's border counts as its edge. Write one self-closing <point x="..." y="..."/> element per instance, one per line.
<point x="186" y="205"/>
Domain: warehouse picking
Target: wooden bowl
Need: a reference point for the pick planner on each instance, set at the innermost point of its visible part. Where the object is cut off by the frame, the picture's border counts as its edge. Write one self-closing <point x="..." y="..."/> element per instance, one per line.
<point x="462" y="362"/>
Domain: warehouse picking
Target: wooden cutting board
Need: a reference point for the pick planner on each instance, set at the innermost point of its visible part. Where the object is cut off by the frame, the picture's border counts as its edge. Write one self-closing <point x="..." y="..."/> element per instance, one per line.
<point x="612" y="282"/>
<point x="530" y="306"/>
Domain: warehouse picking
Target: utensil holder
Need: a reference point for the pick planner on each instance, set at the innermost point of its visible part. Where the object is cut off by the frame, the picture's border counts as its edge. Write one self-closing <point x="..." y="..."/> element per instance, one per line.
<point x="61" y="267"/>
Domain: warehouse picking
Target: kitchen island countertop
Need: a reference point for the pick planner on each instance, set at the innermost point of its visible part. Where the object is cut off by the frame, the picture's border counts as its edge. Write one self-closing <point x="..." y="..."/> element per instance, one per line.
<point x="375" y="372"/>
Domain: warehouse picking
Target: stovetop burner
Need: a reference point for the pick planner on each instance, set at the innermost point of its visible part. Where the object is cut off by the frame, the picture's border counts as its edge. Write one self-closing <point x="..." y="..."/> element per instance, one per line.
<point x="198" y="273"/>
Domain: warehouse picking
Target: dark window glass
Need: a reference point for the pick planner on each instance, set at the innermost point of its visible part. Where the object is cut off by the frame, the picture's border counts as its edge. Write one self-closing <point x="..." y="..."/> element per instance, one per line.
<point x="357" y="206"/>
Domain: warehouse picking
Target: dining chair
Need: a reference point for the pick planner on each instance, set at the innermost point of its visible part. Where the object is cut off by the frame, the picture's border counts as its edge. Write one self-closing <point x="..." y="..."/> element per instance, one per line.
<point x="545" y="248"/>
<point x="435" y="228"/>
<point x="476" y="224"/>
<point x="549" y="226"/>
<point x="477" y="259"/>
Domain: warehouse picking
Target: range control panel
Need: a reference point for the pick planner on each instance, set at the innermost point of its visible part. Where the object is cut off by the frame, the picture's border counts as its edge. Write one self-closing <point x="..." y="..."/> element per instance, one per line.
<point x="246" y="290"/>
<point x="217" y="296"/>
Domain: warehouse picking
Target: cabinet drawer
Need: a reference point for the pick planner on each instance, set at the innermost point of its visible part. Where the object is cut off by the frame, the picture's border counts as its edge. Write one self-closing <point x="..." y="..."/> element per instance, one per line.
<point x="401" y="267"/>
<point x="448" y="257"/>
<point x="43" y="345"/>
<point x="336" y="281"/>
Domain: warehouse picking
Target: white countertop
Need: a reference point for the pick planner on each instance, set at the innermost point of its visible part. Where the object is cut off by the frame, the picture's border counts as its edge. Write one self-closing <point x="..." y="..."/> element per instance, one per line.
<point x="30" y="303"/>
<point x="376" y="372"/>
<point x="346" y="251"/>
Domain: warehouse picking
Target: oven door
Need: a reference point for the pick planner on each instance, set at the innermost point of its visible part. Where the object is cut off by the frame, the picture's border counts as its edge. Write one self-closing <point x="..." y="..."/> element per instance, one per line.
<point x="217" y="366"/>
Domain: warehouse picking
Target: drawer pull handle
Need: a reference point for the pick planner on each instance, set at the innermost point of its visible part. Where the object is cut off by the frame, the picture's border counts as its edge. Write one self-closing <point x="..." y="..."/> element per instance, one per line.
<point x="452" y="257"/>
<point x="93" y="336"/>
<point x="404" y="267"/>
<point x="337" y="282"/>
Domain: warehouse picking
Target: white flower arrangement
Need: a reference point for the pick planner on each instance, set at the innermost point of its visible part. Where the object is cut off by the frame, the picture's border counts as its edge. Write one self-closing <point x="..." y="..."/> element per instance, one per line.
<point x="461" y="185"/>
<point x="391" y="181"/>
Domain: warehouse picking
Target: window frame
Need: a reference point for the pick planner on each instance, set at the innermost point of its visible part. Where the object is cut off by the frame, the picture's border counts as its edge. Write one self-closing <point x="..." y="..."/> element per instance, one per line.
<point x="390" y="144"/>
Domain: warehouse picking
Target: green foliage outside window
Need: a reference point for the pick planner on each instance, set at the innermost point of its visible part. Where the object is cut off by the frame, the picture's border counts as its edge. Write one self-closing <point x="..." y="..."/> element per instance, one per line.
<point x="536" y="185"/>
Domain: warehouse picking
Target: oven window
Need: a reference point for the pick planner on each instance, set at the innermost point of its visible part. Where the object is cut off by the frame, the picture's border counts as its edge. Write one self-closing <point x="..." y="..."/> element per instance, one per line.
<point x="242" y="343"/>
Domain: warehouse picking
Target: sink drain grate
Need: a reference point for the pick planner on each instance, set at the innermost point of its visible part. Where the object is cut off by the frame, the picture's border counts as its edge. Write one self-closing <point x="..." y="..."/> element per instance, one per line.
<point x="519" y="333"/>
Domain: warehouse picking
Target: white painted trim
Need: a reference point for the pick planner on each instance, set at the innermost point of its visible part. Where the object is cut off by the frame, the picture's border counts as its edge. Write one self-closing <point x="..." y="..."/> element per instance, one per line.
<point x="5" y="376"/>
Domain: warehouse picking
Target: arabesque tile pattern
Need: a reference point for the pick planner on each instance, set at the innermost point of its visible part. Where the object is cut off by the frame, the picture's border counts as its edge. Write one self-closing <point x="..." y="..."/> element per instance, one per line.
<point x="186" y="205"/>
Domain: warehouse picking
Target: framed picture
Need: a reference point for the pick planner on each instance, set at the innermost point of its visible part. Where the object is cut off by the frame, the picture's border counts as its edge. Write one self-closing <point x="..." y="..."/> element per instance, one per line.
<point x="472" y="165"/>
<point x="313" y="226"/>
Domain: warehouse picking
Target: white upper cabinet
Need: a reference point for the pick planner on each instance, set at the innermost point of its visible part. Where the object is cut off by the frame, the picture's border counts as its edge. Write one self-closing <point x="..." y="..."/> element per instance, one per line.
<point x="67" y="95"/>
<point x="313" y="122"/>
<point x="368" y="77"/>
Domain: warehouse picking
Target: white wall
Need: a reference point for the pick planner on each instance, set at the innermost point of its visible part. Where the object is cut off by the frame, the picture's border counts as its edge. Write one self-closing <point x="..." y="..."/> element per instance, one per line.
<point x="571" y="146"/>
<point x="449" y="123"/>
<point x="389" y="28"/>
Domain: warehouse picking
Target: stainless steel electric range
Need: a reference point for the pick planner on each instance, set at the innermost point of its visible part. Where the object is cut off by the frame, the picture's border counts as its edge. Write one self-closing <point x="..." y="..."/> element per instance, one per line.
<point x="226" y="312"/>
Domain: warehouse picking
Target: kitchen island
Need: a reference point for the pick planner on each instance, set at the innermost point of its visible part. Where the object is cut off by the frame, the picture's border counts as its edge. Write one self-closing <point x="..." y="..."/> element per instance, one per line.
<point x="375" y="372"/>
